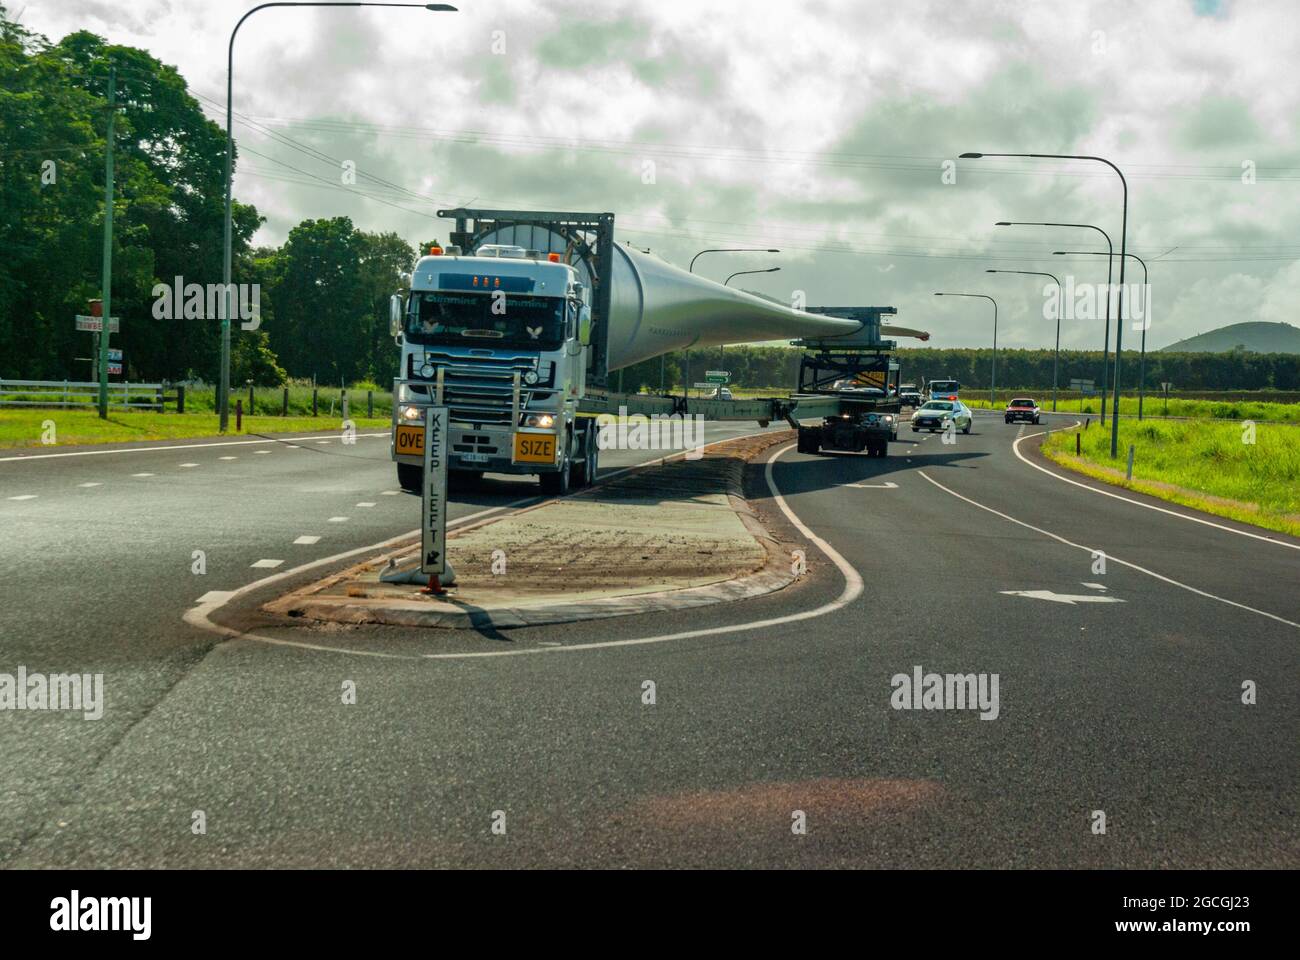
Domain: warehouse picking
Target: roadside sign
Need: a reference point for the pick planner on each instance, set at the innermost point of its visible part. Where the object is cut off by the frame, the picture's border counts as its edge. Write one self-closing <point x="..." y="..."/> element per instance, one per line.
<point x="114" y="369"/>
<point x="96" y="324"/>
<point x="433" y="502"/>
<point x="705" y="386"/>
<point x="114" y="355"/>
<point x="717" y="376"/>
<point x="1166" y="387"/>
<point x="1083" y="386"/>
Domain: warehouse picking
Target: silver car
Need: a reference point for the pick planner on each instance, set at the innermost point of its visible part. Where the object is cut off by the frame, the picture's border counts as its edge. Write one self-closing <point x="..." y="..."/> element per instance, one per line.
<point x="938" y="414"/>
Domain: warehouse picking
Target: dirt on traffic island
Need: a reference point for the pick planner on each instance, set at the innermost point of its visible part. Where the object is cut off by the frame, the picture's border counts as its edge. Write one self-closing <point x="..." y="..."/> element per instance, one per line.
<point x="674" y="535"/>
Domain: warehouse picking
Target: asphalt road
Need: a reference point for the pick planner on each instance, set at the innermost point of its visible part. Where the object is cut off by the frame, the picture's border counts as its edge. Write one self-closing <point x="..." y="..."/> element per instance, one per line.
<point x="1126" y="701"/>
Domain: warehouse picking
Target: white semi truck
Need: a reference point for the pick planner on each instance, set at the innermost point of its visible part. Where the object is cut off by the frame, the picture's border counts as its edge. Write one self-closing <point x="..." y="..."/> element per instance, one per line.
<point x="517" y="324"/>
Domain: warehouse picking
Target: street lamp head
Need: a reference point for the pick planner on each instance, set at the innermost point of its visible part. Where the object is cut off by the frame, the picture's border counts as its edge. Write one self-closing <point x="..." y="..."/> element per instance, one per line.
<point x="1002" y="223"/>
<point x="938" y="294"/>
<point x="992" y="271"/>
<point x="773" y="251"/>
<point x="440" y="7"/>
<point x="970" y="156"/>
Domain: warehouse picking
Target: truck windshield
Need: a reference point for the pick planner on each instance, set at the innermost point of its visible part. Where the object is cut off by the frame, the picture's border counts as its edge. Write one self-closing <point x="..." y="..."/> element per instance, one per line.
<point x="507" y="320"/>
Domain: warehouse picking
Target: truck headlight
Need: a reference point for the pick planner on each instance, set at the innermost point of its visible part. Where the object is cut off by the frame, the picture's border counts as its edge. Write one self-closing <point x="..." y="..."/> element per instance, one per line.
<point x="543" y="420"/>
<point x="410" y="413"/>
<point x="530" y="377"/>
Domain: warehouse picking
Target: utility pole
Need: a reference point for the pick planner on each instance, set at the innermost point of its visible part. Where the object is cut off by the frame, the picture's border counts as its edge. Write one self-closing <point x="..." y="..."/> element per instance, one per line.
<point x="107" y="280"/>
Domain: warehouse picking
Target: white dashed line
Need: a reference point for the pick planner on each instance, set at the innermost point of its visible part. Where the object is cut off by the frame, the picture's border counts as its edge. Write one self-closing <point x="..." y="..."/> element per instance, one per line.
<point x="322" y="441"/>
<point x="142" y="474"/>
<point x="337" y="519"/>
<point x="216" y="596"/>
<point x="266" y="564"/>
<point x="92" y="484"/>
<point x="366" y="503"/>
<point x="307" y="541"/>
<point x="261" y="451"/>
<point x="25" y="496"/>
<point x="389" y="493"/>
<point x="227" y="458"/>
<point x="189" y="464"/>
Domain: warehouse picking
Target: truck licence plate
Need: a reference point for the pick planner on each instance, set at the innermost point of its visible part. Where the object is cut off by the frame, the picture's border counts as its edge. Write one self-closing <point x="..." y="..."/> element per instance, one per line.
<point x="534" y="448"/>
<point x="474" y="457"/>
<point x="410" y="440"/>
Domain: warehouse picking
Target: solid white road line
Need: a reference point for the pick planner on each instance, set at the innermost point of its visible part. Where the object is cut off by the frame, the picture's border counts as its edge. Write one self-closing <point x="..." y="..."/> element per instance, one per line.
<point x="179" y="446"/>
<point x="1110" y="557"/>
<point x="1138" y="503"/>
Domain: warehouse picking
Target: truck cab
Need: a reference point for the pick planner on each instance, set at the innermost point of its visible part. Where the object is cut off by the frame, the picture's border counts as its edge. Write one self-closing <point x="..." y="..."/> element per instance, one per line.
<point x="500" y="339"/>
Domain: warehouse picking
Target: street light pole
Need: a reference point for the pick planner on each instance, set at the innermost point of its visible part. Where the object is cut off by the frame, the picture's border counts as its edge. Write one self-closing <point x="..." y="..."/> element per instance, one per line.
<point x="223" y="390"/>
<point x="741" y="273"/>
<point x="691" y="268"/>
<point x="1123" y="259"/>
<point x="1056" y="361"/>
<point x="1105" y="341"/>
<point x="1146" y="287"/>
<point x="993" y="373"/>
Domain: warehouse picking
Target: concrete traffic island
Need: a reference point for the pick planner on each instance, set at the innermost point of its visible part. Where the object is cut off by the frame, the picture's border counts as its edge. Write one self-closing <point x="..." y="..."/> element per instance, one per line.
<point x="664" y="537"/>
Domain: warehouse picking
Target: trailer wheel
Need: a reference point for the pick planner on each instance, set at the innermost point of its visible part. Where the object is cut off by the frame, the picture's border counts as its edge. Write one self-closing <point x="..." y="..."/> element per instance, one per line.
<point x="410" y="477"/>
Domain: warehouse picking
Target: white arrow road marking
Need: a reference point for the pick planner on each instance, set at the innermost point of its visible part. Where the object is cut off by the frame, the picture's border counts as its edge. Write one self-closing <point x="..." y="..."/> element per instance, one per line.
<point x="1070" y="598"/>
<point x="887" y="485"/>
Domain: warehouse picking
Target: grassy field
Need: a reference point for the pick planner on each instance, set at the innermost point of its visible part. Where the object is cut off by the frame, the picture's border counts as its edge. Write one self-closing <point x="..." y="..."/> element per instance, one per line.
<point x="1200" y="464"/>
<point x="28" y="427"/>
<point x="1155" y="407"/>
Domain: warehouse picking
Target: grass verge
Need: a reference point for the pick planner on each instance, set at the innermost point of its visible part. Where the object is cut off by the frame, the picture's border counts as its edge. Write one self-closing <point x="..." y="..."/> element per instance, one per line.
<point x="32" y="427"/>
<point x="1210" y="466"/>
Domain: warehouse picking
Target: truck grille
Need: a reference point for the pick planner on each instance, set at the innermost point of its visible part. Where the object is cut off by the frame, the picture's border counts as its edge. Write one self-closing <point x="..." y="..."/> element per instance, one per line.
<point x="477" y="390"/>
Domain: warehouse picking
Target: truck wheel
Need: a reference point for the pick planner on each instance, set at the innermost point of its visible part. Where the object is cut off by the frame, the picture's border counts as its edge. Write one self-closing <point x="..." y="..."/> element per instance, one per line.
<point x="584" y="474"/>
<point x="410" y="477"/>
<point x="557" y="484"/>
<point x="809" y="442"/>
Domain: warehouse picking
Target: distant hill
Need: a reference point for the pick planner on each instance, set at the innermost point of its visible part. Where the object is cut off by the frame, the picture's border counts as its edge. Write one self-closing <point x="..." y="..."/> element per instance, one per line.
<point x="1254" y="336"/>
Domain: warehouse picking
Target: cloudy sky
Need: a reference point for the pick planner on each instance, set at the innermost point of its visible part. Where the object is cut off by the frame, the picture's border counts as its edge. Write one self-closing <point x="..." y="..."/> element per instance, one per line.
<point x="821" y="128"/>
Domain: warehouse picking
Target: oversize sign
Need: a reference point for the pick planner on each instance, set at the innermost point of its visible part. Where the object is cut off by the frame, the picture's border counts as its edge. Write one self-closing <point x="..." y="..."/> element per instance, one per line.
<point x="433" y="542"/>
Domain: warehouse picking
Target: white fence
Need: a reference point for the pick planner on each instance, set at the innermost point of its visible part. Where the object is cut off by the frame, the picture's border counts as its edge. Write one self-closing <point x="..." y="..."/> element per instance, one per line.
<point x="72" y="393"/>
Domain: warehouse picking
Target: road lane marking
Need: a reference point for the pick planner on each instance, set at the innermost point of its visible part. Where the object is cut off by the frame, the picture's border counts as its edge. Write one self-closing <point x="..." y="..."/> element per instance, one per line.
<point x="306" y="541"/>
<point x="1110" y="557"/>
<point x="265" y="564"/>
<point x="337" y="519"/>
<point x="178" y="446"/>
<point x="25" y="496"/>
<point x="1070" y="598"/>
<point x="216" y="596"/>
<point x="1093" y="586"/>
<point x="887" y="485"/>
<point x="189" y="464"/>
<point x="366" y="503"/>
<point x="389" y="493"/>
<point x="93" y="484"/>
<point x="1150" y="506"/>
<point x="142" y="474"/>
<point x="261" y="451"/>
<point x="227" y="458"/>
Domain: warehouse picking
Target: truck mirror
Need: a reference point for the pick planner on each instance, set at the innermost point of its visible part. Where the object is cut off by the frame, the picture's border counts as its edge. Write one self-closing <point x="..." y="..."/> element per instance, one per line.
<point x="395" y="315"/>
<point x="584" y="327"/>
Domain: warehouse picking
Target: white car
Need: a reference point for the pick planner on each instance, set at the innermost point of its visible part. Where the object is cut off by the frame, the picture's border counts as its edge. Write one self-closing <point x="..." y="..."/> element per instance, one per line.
<point x="938" y="414"/>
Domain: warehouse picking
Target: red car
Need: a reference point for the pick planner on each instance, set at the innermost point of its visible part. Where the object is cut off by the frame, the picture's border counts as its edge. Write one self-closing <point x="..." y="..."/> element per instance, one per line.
<point x="1024" y="408"/>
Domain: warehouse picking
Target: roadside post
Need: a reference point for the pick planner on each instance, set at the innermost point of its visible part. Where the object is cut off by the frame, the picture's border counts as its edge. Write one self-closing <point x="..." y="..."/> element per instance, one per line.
<point x="433" y="502"/>
<point x="1165" y="388"/>
<point x="1129" y="477"/>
